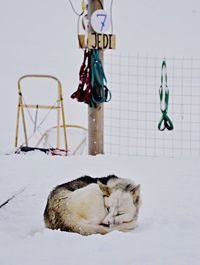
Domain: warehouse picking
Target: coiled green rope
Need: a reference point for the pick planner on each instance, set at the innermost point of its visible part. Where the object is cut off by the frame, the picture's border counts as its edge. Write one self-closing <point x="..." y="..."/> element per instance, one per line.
<point x="99" y="91"/>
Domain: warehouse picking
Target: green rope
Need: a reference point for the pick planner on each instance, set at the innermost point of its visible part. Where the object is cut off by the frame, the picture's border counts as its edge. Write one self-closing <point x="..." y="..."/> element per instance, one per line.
<point x="97" y="69"/>
<point x="165" y="122"/>
<point x="99" y="92"/>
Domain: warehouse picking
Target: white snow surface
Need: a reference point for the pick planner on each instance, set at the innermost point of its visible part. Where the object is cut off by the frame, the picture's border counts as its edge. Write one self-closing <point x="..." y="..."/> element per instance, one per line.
<point x="40" y="37"/>
<point x="168" y="229"/>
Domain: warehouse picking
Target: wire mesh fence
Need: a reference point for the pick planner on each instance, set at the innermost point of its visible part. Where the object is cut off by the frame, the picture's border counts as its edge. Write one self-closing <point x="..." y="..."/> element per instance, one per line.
<point x="132" y="116"/>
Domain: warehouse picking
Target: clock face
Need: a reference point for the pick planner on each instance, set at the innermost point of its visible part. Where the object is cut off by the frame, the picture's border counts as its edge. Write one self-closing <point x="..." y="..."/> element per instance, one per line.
<point x="100" y="21"/>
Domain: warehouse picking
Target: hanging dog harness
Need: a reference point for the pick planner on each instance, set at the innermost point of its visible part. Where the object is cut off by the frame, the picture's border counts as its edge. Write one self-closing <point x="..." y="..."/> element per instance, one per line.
<point x="100" y="93"/>
<point x="84" y="88"/>
<point x="165" y="121"/>
<point x="92" y="88"/>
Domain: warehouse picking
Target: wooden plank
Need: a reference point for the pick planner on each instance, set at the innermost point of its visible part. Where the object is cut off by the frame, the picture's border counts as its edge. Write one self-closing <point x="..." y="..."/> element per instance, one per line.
<point x="98" y="41"/>
<point x="81" y="40"/>
<point x="101" y="41"/>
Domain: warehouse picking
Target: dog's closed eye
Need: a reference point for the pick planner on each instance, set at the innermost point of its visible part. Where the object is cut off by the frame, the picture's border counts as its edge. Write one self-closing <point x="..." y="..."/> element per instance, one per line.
<point x="119" y="213"/>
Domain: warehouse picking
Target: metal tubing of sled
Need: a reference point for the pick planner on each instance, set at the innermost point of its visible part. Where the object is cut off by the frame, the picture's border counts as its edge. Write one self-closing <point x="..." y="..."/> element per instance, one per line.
<point x="31" y="106"/>
<point x="95" y="115"/>
<point x="67" y="126"/>
<point x="59" y="107"/>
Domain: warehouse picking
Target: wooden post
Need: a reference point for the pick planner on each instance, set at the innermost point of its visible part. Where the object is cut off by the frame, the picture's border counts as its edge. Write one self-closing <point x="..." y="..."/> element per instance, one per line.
<point x="95" y="115"/>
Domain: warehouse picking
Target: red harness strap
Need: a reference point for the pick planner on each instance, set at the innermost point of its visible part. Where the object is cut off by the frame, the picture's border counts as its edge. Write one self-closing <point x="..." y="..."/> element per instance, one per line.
<point x="81" y="94"/>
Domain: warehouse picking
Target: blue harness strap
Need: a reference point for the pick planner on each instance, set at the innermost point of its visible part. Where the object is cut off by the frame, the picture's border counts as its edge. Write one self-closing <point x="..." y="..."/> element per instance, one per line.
<point x="99" y="91"/>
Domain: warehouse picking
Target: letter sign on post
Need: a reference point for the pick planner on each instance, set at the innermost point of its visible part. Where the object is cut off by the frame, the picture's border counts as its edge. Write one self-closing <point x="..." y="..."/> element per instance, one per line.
<point x="100" y="22"/>
<point x="101" y="41"/>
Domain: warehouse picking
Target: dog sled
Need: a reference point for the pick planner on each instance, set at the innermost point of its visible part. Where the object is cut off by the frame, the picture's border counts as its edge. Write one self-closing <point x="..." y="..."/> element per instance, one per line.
<point x="34" y="120"/>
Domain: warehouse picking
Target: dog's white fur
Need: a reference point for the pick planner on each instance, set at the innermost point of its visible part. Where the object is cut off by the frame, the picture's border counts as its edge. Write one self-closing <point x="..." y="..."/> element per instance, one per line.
<point x="96" y="208"/>
<point x="120" y="208"/>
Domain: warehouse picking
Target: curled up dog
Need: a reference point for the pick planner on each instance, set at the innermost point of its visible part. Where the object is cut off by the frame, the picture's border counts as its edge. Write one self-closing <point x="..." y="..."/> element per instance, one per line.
<point x="93" y="205"/>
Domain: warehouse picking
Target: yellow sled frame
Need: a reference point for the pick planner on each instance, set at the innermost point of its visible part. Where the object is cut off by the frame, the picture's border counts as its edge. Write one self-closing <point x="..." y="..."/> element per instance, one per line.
<point x="59" y="108"/>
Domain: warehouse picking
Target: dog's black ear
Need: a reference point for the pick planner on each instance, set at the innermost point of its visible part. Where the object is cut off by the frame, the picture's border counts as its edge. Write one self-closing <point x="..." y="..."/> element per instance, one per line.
<point x="104" y="188"/>
<point x="134" y="189"/>
<point x="129" y="187"/>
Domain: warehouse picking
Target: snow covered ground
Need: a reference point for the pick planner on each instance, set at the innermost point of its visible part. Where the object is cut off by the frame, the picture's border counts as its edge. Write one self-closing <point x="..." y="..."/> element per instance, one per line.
<point x="40" y="37"/>
<point x="168" y="230"/>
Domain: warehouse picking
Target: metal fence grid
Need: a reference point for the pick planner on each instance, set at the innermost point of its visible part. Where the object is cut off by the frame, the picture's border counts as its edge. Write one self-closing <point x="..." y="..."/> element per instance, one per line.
<point x="132" y="115"/>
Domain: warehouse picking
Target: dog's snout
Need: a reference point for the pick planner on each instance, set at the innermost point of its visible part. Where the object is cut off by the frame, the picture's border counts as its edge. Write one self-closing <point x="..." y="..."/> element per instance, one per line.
<point x="107" y="223"/>
<point x="104" y="224"/>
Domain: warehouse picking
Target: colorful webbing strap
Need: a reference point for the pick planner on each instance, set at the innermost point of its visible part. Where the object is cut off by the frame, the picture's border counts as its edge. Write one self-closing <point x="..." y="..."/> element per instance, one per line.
<point x="92" y="87"/>
<point x="165" y="122"/>
<point x="84" y="75"/>
<point x="100" y="93"/>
